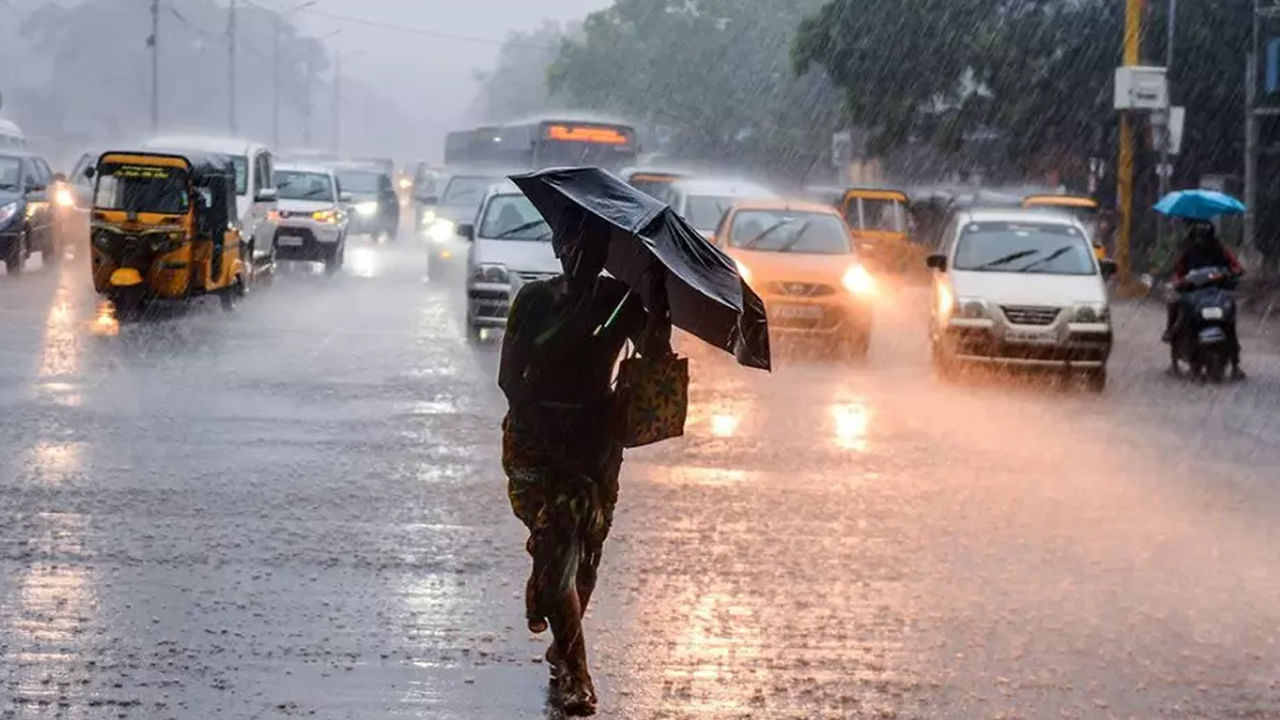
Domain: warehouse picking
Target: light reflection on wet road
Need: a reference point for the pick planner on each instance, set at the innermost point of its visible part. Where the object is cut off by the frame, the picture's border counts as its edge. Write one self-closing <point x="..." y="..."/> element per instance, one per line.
<point x="298" y="509"/>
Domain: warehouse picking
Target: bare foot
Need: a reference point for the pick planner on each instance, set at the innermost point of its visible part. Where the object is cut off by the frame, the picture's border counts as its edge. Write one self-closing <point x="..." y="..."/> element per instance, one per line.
<point x="578" y="695"/>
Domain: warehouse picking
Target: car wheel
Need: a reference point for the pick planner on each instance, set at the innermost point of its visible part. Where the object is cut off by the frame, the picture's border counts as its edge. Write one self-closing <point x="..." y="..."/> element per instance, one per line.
<point x="17" y="259"/>
<point x="944" y="366"/>
<point x="1096" y="380"/>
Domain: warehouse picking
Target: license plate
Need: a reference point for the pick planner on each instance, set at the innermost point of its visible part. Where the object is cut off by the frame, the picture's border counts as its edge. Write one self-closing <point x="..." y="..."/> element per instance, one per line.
<point x="1211" y="313"/>
<point x="796" y="312"/>
<point x="1026" y="337"/>
<point x="290" y="240"/>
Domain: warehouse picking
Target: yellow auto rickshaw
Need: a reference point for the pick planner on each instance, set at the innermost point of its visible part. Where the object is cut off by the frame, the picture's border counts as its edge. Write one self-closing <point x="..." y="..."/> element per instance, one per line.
<point x="164" y="227"/>
<point x="1085" y="209"/>
<point x="878" y="219"/>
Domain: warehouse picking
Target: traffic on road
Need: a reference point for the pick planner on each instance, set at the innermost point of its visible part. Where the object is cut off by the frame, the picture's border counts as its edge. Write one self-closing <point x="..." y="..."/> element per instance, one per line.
<point x="563" y="421"/>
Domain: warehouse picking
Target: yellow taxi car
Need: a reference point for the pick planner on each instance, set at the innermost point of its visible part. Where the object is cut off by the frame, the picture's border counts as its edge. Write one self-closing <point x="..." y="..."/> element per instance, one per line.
<point x="1085" y="209"/>
<point x="801" y="259"/>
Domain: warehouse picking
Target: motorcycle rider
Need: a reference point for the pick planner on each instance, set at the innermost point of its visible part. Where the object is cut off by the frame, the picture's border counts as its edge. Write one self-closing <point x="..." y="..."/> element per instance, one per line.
<point x="1202" y="248"/>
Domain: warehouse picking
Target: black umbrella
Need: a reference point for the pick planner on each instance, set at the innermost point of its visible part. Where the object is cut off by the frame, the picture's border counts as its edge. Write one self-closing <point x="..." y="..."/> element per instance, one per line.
<point x="707" y="296"/>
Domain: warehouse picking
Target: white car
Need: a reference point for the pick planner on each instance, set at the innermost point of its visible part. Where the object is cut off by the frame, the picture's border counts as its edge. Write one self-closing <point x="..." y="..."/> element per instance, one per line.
<point x="1020" y="287"/>
<point x="255" y="187"/>
<point x="510" y="245"/>
<point x="703" y="202"/>
<point x="312" y="222"/>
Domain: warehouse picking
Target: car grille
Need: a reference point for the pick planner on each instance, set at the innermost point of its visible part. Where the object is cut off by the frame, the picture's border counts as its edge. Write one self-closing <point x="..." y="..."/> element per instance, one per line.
<point x="1030" y="314"/>
<point x="799" y="289"/>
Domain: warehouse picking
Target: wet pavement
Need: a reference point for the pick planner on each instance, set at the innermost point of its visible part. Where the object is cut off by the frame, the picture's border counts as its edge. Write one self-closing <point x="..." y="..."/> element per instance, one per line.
<point x="296" y="509"/>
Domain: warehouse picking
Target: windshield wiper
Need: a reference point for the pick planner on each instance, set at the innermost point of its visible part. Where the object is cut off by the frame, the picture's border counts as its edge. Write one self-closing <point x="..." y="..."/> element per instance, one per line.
<point x="751" y="244"/>
<point x="1047" y="258"/>
<point x="1007" y="259"/>
<point x="519" y="229"/>
<point x="804" y="226"/>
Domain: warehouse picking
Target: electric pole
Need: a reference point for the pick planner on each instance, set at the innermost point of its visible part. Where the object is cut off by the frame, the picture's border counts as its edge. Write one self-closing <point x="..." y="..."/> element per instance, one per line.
<point x="231" y="68"/>
<point x="1165" y="172"/>
<point x="337" y="103"/>
<point x="153" y="42"/>
<point x="1124" y="166"/>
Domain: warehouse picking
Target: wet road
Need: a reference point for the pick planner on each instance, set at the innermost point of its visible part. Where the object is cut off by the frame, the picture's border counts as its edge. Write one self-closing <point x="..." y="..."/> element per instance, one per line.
<point x="297" y="510"/>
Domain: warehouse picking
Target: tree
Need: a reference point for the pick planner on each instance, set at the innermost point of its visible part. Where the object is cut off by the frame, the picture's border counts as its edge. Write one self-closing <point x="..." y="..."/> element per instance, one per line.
<point x="518" y="84"/>
<point x="715" y="71"/>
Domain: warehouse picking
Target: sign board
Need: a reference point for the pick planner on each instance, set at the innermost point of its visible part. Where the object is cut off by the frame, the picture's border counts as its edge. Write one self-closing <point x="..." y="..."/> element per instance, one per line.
<point x="1141" y="88"/>
<point x="841" y="148"/>
<point x="1166" y="128"/>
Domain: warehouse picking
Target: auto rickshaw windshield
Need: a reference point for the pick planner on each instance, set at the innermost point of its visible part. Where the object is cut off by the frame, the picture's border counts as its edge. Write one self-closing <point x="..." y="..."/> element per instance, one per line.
<point x="141" y="188"/>
<point x="883" y="214"/>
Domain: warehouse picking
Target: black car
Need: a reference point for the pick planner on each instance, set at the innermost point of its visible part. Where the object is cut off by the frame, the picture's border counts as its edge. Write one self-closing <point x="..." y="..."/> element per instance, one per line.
<point x="375" y="206"/>
<point x="26" y="210"/>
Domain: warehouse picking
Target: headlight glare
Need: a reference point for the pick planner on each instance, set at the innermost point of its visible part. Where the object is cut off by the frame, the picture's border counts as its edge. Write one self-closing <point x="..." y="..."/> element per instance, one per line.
<point x="858" y="281"/>
<point x="442" y="231"/>
<point x="367" y="208"/>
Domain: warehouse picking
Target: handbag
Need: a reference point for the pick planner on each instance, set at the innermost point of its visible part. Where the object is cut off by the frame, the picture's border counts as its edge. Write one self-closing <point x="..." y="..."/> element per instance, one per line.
<point x="653" y="395"/>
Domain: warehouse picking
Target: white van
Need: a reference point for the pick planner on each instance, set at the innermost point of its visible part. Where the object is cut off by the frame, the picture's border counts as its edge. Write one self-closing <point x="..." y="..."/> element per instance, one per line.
<point x="255" y="187"/>
<point x="11" y="135"/>
<point x="703" y="202"/>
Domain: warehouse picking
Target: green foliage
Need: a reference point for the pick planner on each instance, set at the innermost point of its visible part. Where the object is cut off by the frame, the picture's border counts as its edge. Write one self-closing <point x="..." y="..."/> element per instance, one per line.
<point x="714" y="70"/>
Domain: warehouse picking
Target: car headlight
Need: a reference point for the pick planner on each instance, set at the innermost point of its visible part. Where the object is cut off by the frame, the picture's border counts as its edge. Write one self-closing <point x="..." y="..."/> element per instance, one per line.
<point x="367" y="208"/>
<point x="442" y="231"/>
<point x="63" y="197"/>
<point x="428" y="218"/>
<point x="325" y="216"/>
<point x="1092" y="312"/>
<point x="7" y="211"/>
<point x="946" y="301"/>
<point x="858" y="281"/>
<point x="491" y="274"/>
<point x="970" y="308"/>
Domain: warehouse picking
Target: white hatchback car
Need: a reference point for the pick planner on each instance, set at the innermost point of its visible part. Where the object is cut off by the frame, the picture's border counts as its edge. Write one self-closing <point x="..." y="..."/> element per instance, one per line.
<point x="510" y="245"/>
<point x="312" y="223"/>
<point x="704" y="202"/>
<point x="1020" y="287"/>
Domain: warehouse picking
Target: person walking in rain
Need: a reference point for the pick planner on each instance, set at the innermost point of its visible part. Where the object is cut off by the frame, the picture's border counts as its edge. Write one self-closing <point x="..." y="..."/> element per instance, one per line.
<point x="562" y="446"/>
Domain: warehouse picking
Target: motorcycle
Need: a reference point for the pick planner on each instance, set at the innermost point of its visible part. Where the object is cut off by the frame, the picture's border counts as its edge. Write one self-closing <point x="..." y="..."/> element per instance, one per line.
<point x="1203" y="337"/>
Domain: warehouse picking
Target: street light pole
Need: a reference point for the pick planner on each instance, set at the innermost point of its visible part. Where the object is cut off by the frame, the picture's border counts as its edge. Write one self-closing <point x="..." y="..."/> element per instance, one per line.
<point x="278" y="30"/>
<point x="1165" y="172"/>
<point x="1124" y="165"/>
<point x="337" y="99"/>
<point x="231" y="68"/>
<point x="154" y="42"/>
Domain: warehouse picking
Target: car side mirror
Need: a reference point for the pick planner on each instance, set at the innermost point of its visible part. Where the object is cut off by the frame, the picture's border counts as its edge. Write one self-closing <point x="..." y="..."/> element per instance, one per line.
<point x="1108" y="268"/>
<point x="266" y="195"/>
<point x="346" y="197"/>
<point x="467" y="230"/>
<point x="90" y="171"/>
<point x="937" y="262"/>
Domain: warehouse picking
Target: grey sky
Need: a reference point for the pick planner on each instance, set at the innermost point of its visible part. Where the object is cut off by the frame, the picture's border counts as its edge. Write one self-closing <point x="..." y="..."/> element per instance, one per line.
<point x="432" y="78"/>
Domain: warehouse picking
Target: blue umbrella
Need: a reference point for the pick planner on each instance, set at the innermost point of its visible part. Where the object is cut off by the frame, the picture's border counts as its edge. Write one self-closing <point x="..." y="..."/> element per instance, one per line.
<point x="1198" y="204"/>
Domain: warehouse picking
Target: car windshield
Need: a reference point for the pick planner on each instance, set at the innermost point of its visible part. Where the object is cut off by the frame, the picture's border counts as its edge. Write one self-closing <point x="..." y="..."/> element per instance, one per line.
<point x="294" y="185"/>
<point x="364" y="183"/>
<point x="1030" y="247"/>
<point x="141" y="188"/>
<point x="883" y="214"/>
<point x="465" y="190"/>
<point x="704" y="212"/>
<point x="793" y="232"/>
<point x="513" y="217"/>
<point x="10" y="172"/>
<point x="242" y="174"/>
<point x="653" y="185"/>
